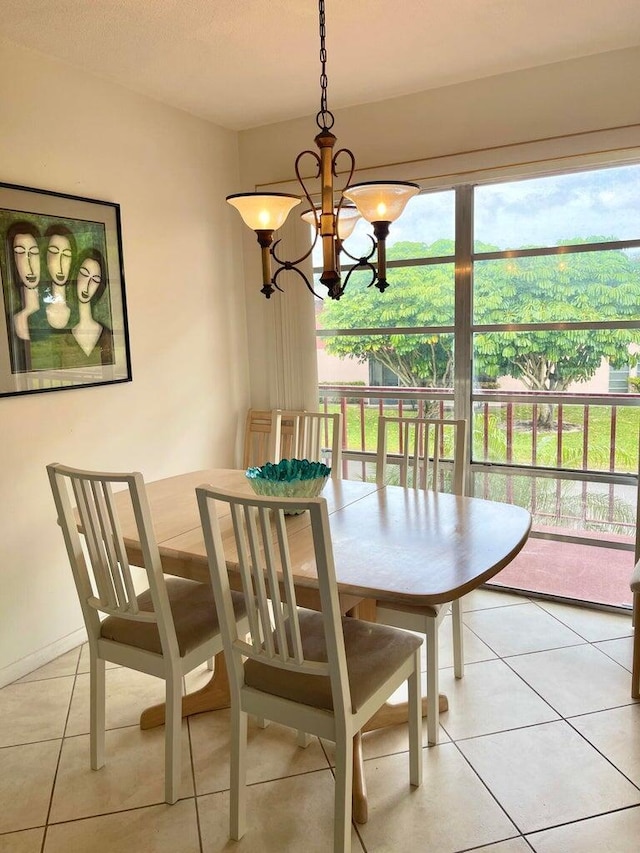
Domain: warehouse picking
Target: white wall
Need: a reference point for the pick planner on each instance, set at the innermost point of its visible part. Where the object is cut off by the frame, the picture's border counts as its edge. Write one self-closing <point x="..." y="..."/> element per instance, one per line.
<point x="556" y="116"/>
<point x="68" y="132"/>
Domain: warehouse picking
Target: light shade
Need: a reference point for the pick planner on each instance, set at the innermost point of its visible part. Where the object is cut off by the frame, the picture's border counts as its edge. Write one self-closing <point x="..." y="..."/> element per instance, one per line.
<point x="263" y="212"/>
<point x="347" y="219"/>
<point x="381" y="201"/>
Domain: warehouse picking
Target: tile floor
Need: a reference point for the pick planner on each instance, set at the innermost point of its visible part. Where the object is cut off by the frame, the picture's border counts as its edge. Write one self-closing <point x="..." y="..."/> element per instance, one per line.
<point x="540" y="750"/>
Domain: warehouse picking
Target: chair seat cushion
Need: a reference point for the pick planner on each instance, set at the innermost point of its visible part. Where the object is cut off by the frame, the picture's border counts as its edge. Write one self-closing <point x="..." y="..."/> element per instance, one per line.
<point x="374" y="652"/>
<point x="194" y="616"/>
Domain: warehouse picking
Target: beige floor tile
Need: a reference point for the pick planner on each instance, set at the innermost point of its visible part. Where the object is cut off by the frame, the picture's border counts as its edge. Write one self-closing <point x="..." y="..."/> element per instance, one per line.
<point x="575" y="680"/>
<point x="133" y="774"/>
<point x="612" y="833"/>
<point x="283" y="816"/>
<point x="474" y="649"/>
<point x="26" y="780"/>
<point x="490" y="698"/>
<point x="159" y="829"/>
<point x="547" y="775"/>
<point x="34" y="711"/>
<point x="616" y="734"/>
<point x="451" y="811"/>
<point x="619" y="650"/>
<point x="591" y="624"/>
<point x="513" y="845"/>
<point x="482" y="599"/>
<point x="128" y="693"/>
<point x="66" y="664"/>
<point x="272" y="752"/>
<point x="520" y="629"/>
<point x="28" y="841"/>
<point x="393" y="740"/>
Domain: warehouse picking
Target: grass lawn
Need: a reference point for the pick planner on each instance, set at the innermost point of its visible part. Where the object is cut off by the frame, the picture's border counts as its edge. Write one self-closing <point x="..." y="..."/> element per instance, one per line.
<point x="363" y="436"/>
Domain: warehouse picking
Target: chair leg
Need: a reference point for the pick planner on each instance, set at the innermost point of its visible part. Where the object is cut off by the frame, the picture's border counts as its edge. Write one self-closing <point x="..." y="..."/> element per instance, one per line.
<point x="238" y="784"/>
<point x="458" y="642"/>
<point x="415" y="724"/>
<point x="433" y="701"/>
<point x="96" y="711"/>
<point x="343" y="794"/>
<point x="304" y="739"/>
<point x="635" y="668"/>
<point x="173" y="736"/>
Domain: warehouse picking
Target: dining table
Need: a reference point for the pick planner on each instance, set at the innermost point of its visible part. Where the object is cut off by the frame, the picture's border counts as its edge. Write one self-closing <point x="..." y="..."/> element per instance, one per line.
<point x="391" y="544"/>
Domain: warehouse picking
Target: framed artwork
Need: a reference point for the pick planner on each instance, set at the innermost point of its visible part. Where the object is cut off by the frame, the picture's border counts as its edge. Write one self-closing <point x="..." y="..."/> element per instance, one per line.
<point x="62" y="282"/>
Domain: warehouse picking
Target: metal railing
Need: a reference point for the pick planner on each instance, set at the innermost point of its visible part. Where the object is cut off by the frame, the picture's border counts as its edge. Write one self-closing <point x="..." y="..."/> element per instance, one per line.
<point x="574" y="466"/>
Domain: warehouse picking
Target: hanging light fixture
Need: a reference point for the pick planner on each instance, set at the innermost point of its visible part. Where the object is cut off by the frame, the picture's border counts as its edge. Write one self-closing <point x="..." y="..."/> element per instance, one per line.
<point x="379" y="202"/>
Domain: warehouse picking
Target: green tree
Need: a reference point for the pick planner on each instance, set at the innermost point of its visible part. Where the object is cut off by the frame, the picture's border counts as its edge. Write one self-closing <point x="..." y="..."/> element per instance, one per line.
<point x="418" y="296"/>
<point x="576" y="287"/>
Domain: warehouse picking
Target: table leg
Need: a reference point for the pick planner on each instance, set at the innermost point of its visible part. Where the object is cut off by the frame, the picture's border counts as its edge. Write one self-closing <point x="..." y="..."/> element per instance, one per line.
<point x="213" y="696"/>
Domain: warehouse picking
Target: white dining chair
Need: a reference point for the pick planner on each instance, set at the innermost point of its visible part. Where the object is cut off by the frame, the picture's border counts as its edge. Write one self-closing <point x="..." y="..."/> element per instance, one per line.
<point x="317" y="672"/>
<point x="166" y="631"/>
<point x="316" y="436"/>
<point x="431" y="455"/>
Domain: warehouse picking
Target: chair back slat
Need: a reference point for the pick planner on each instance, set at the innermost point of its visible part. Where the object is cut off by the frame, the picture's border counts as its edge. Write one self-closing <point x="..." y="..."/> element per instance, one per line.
<point x="277" y="639"/>
<point x="431" y="452"/>
<point x="272" y="584"/>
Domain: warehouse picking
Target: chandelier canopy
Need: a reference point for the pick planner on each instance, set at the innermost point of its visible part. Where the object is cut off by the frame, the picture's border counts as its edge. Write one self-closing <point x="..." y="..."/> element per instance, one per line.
<point x="378" y="202"/>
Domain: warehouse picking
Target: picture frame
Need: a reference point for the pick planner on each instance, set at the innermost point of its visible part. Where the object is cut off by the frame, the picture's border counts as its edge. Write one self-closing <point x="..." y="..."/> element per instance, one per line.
<point x="64" y="319"/>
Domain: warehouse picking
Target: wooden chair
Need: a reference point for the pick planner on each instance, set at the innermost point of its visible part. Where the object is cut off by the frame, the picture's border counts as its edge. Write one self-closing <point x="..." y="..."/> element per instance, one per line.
<point x="425" y="464"/>
<point x="313" y="671"/>
<point x="635" y="615"/>
<point x="261" y="442"/>
<point x="635" y="669"/>
<point x="166" y="631"/>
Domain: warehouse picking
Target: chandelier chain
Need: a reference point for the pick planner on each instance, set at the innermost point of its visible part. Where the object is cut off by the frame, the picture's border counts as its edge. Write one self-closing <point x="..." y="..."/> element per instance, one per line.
<point x="325" y="118"/>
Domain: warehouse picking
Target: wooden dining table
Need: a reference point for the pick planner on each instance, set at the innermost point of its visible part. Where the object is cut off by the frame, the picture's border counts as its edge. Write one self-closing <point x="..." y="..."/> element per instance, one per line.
<point x="391" y="544"/>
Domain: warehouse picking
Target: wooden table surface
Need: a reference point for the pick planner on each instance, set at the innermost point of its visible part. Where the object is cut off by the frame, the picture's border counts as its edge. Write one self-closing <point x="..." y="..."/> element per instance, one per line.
<point x="390" y="544"/>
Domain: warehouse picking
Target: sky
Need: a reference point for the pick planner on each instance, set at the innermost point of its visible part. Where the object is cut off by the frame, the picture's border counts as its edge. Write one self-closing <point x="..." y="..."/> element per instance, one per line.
<point x="537" y="211"/>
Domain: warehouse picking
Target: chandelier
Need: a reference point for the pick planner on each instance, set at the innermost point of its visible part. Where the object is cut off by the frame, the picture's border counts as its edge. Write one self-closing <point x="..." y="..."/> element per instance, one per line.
<point x="379" y="202"/>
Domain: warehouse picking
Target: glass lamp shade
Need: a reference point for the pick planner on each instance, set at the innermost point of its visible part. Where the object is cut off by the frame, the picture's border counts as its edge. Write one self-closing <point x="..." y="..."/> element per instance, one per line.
<point x="381" y="201"/>
<point x="347" y="219"/>
<point x="263" y="212"/>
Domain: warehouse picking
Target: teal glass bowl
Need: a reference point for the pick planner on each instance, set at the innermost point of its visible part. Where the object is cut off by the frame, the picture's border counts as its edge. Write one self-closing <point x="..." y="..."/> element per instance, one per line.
<point x="289" y="478"/>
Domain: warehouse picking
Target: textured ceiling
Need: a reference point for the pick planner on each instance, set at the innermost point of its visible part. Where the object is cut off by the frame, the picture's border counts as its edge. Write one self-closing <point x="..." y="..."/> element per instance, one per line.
<point x="244" y="63"/>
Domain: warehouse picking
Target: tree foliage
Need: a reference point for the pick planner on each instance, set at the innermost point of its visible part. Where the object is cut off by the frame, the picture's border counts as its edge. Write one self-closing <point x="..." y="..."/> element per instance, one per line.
<point x="571" y="288"/>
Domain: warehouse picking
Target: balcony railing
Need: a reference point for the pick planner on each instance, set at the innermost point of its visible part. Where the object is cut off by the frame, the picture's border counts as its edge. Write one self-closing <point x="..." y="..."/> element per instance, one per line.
<point x="571" y="459"/>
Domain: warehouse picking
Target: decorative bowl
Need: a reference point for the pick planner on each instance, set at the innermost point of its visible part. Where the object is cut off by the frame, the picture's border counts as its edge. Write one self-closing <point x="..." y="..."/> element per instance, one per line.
<point x="289" y="478"/>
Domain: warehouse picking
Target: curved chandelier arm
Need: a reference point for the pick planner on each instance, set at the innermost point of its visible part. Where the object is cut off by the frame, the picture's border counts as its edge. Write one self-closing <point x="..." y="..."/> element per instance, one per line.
<point x="363" y="260"/>
<point x="289" y="266"/>
<point x="362" y="264"/>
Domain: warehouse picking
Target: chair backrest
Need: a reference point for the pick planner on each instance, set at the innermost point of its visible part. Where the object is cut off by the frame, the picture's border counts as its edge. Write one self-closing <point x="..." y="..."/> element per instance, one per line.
<point x="316" y="436"/>
<point x="101" y="568"/>
<point x="430" y="452"/>
<point x="261" y="438"/>
<point x="286" y="434"/>
<point x="257" y="549"/>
